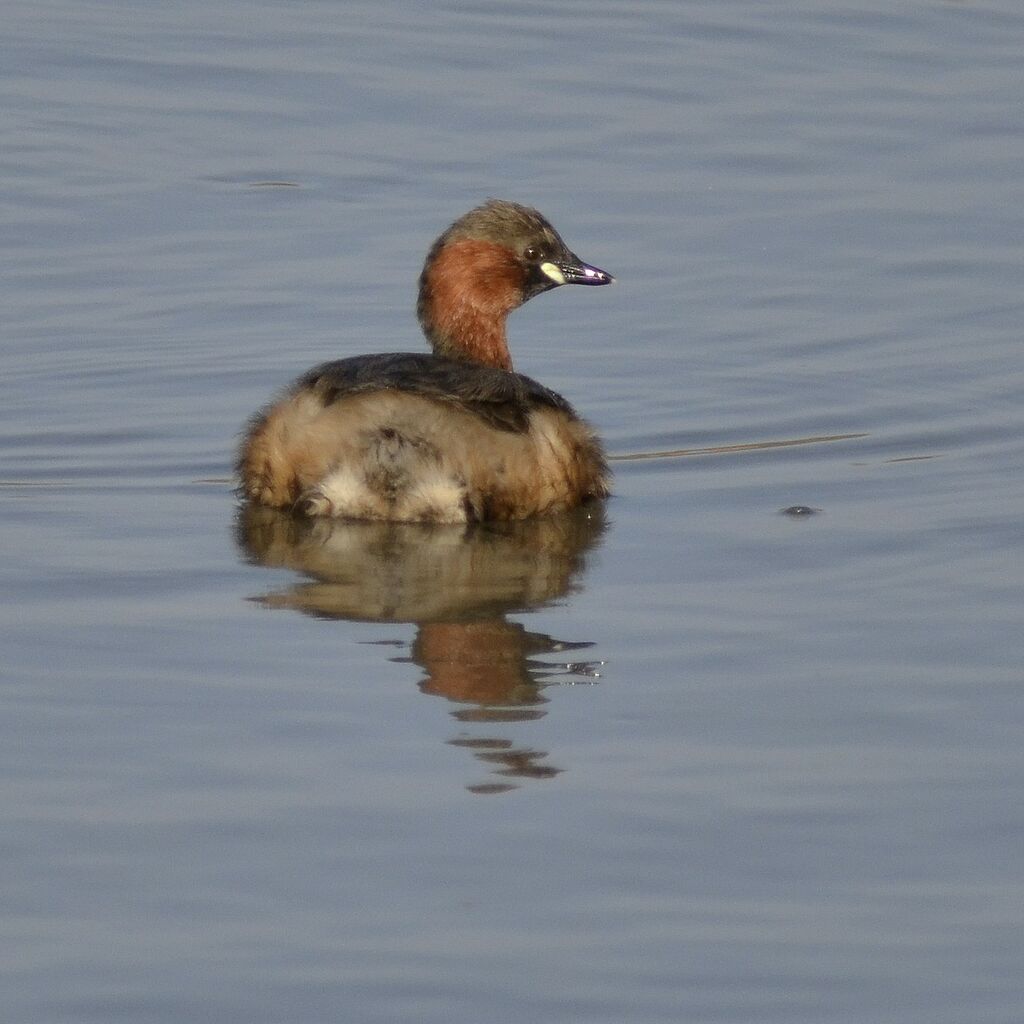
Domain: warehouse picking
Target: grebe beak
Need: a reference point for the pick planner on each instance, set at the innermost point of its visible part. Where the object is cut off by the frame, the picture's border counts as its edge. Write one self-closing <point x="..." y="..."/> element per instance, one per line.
<point x="572" y="270"/>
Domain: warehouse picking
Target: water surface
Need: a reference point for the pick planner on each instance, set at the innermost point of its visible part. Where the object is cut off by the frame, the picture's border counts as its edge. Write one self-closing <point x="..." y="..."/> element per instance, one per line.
<point x="688" y="758"/>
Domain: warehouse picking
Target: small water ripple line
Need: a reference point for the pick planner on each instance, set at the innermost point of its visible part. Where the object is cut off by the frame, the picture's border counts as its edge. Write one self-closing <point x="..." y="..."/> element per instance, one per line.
<point x="728" y="449"/>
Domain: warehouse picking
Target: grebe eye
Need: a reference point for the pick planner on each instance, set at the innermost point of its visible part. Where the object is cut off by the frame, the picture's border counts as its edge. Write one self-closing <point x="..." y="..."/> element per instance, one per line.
<point x="531" y="252"/>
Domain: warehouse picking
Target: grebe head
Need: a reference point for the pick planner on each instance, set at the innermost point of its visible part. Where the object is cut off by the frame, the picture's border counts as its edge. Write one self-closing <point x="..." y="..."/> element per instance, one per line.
<point x="490" y="261"/>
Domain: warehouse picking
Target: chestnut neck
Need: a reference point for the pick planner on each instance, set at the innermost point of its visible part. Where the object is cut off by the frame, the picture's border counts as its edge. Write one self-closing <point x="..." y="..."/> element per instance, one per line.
<point x="473" y="339"/>
<point x="467" y="289"/>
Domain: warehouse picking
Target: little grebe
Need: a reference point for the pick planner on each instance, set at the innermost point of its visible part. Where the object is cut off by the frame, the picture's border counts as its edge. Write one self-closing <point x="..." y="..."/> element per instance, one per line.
<point x="452" y="437"/>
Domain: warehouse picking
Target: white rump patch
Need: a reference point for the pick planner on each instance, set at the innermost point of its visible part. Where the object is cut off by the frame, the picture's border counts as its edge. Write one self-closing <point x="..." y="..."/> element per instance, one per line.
<point x="344" y="494"/>
<point x="435" y="497"/>
<point x="341" y="493"/>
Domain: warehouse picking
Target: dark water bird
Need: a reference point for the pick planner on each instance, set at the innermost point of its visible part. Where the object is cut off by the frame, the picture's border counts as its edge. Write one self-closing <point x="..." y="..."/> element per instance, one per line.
<point x="454" y="436"/>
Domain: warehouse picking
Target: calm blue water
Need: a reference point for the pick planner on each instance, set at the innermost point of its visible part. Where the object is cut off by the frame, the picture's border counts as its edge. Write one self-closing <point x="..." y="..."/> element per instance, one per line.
<point x="688" y="759"/>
